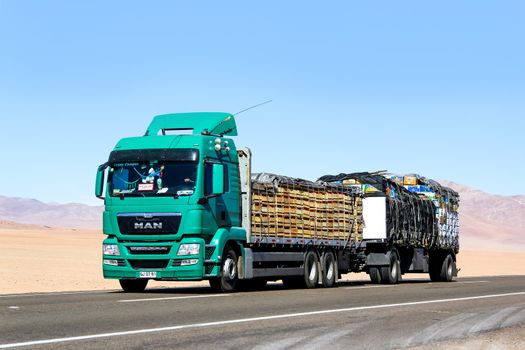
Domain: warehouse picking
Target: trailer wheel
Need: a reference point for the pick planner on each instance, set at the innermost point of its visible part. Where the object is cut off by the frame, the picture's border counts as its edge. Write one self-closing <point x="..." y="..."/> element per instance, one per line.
<point x="434" y="267"/>
<point x="375" y="275"/>
<point x="391" y="274"/>
<point x="441" y="268"/>
<point x="227" y="283"/>
<point x="311" y="269"/>
<point x="446" y="269"/>
<point x="133" y="286"/>
<point x="329" y="269"/>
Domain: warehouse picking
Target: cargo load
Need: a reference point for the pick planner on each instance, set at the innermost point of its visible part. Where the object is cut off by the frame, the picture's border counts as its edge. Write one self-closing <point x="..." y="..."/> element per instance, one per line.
<point x="446" y="203"/>
<point x="285" y="207"/>
<point x="392" y="212"/>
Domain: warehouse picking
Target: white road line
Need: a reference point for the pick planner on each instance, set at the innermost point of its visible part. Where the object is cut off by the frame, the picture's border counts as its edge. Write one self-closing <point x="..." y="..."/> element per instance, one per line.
<point x="246" y="320"/>
<point x="466" y="282"/>
<point x="175" y="298"/>
<point x="367" y="287"/>
<point x="56" y="293"/>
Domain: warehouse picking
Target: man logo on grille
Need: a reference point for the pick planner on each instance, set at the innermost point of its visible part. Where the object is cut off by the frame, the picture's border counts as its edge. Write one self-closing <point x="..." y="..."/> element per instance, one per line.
<point x="148" y="226"/>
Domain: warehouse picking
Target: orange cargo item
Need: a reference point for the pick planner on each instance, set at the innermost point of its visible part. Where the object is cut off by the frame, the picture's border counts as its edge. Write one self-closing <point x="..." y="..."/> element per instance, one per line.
<point x="409" y="180"/>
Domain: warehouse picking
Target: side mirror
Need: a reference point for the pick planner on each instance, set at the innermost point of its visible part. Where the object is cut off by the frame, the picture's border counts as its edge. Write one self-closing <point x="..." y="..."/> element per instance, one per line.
<point x="218" y="179"/>
<point x="99" y="183"/>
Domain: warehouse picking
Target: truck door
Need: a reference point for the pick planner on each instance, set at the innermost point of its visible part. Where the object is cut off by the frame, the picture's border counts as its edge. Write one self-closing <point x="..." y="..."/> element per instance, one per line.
<point x="217" y="203"/>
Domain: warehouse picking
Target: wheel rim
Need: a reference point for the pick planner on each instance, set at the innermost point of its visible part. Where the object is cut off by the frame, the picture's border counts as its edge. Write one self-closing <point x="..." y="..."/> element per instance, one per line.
<point x="230" y="269"/>
<point x="393" y="270"/>
<point x="330" y="272"/>
<point x="449" y="268"/>
<point x="313" y="271"/>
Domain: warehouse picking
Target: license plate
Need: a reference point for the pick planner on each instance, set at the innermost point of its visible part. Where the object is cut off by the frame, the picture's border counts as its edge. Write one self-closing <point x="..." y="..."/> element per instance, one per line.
<point x="148" y="274"/>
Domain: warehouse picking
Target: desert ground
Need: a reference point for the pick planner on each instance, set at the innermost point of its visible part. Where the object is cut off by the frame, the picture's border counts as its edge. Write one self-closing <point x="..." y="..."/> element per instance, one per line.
<point x="36" y="259"/>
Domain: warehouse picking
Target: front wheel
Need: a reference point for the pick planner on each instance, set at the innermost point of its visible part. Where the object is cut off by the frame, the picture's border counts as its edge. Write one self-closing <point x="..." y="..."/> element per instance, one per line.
<point x="133" y="286"/>
<point x="227" y="283"/>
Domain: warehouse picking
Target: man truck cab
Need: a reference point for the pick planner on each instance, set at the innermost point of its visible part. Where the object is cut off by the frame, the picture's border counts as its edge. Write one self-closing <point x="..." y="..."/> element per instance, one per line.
<point x="172" y="202"/>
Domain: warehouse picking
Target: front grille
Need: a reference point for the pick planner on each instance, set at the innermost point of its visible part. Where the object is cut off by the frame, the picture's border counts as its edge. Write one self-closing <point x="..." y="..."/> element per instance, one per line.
<point x="149" y="250"/>
<point x="149" y="223"/>
<point x="148" y="264"/>
<point x="209" y="252"/>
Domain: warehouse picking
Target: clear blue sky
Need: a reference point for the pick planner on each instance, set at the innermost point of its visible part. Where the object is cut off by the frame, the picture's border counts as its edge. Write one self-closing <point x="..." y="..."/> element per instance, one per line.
<point x="409" y="86"/>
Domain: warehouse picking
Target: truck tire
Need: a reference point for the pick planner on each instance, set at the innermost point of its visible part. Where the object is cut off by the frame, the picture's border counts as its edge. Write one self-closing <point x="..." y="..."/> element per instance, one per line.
<point x="227" y="283"/>
<point x="446" y="272"/>
<point x="375" y="275"/>
<point x="434" y="267"/>
<point x="311" y="269"/>
<point x="441" y="268"/>
<point x="133" y="286"/>
<point x="329" y="269"/>
<point x="391" y="274"/>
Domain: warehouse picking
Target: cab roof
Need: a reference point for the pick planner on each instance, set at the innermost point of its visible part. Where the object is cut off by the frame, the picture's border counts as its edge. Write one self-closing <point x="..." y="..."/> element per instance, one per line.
<point x="201" y="123"/>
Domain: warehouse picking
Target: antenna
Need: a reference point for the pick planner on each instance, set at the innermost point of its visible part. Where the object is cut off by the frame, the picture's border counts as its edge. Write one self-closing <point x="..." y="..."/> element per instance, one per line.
<point x="252" y="107"/>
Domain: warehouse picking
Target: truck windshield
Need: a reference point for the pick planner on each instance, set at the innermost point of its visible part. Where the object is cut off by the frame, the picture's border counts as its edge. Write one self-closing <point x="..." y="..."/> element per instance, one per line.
<point x="152" y="178"/>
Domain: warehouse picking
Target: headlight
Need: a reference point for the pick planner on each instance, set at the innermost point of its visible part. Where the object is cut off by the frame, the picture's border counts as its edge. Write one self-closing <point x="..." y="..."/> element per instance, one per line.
<point x="110" y="249"/>
<point x="189" y="249"/>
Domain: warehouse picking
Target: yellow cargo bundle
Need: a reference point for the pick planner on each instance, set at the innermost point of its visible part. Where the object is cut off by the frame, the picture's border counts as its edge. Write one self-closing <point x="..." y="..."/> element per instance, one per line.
<point x="409" y="180"/>
<point x="292" y="208"/>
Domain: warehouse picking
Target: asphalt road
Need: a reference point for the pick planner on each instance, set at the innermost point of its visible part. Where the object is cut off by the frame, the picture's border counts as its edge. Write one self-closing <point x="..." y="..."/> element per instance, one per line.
<point x="354" y="315"/>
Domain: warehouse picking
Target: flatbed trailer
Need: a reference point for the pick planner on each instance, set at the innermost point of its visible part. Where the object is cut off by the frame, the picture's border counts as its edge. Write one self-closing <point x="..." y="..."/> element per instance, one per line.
<point x="300" y="231"/>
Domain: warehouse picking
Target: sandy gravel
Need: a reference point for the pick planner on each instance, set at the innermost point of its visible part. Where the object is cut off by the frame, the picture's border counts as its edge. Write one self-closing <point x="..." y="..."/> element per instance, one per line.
<point x="53" y="260"/>
<point x="501" y="339"/>
<point x="48" y="260"/>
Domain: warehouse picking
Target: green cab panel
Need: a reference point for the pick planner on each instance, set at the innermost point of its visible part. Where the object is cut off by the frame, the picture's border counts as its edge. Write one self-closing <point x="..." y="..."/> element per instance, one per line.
<point x="218" y="179"/>
<point x="214" y="123"/>
<point x="233" y="235"/>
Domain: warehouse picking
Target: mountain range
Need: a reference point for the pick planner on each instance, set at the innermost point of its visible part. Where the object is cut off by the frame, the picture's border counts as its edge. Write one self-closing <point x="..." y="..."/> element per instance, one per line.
<point x="487" y="221"/>
<point x="34" y="212"/>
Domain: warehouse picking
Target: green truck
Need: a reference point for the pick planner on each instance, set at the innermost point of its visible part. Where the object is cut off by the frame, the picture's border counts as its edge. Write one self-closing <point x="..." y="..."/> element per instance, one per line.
<point x="181" y="204"/>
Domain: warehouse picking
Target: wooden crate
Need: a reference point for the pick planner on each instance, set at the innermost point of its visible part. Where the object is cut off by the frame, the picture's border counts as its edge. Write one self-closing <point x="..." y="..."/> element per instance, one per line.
<point x="300" y="209"/>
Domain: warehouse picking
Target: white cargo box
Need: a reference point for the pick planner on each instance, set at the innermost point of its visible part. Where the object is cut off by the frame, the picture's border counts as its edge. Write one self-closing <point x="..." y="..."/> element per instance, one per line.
<point x="374" y="217"/>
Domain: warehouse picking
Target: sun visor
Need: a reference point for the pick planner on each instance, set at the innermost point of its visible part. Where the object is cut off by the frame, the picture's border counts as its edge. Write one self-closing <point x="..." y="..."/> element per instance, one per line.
<point x="205" y="123"/>
<point x="138" y="155"/>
